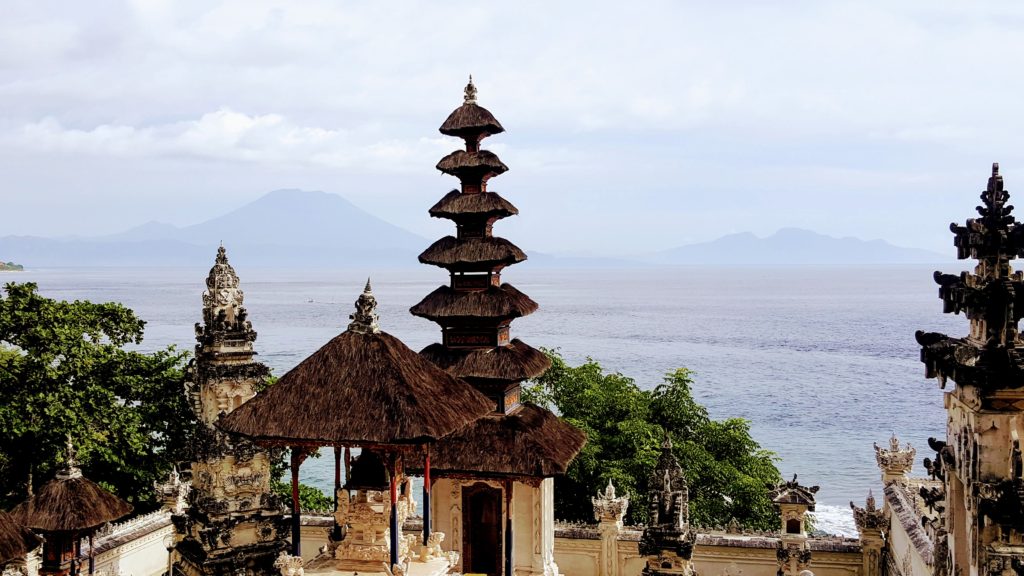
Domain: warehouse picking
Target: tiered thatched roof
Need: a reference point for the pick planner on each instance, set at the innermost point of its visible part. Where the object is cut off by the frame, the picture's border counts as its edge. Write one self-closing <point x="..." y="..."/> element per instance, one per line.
<point x="456" y="206"/>
<point x="517" y="361"/>
<point x="364" y="387"/>
<point x="471" y="120"/>
<point x="15" y="540"/>
<point x="69" y="503"/>
<point x="530" y="442"/>
<point x="494" y="303"/>
<point x="472" y="253"/>
<point x="483" y="162"/>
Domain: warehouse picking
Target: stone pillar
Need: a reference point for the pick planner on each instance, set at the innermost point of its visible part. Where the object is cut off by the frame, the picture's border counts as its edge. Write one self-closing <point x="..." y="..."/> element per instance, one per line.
<point x="609" y="511"/>
<point x="793" y="502"/>
<point x="870" y="523"/>
<point x="896" y="461"/>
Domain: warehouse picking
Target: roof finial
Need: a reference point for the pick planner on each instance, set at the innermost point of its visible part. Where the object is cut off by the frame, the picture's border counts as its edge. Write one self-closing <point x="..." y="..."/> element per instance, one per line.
<point x="365" y="319"/>
<point x="222" y="254"/>
<point x="470" y="91"/>
<point x="71" y="469"/>
<point x="995" y="165"/>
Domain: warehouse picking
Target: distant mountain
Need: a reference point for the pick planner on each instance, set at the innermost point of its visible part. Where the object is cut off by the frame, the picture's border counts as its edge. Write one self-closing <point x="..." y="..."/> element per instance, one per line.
<point x="282" y="228"/>
<point x="794" y="247"/>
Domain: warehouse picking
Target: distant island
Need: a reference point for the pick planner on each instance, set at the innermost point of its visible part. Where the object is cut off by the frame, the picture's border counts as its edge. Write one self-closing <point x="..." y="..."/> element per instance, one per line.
<point x="10" y="267"/>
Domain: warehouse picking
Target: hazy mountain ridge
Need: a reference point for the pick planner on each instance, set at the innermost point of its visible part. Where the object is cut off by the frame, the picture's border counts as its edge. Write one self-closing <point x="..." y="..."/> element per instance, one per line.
<point x="281" y="228"/>
<point x="296" y="228"/>
<point x="794" y="247"/>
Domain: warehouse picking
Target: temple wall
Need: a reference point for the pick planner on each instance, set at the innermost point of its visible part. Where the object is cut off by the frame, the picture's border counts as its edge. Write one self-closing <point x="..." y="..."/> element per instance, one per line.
<point x="133" y="548"/>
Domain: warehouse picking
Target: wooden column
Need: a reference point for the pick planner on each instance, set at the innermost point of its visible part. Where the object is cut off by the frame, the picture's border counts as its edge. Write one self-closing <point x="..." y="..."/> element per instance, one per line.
<point x="394" y="509"/>
<point x="508" y="528"/>
<point x="426" y="493"/>
<point x="92" y="555"/>
<point x="336" y="531"/>
<point x="296" y="510"/>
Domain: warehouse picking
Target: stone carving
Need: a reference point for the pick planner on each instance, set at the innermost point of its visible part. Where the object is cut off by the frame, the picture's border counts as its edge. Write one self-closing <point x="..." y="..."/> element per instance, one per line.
<point x="365" y="319"/>
<point x="231" y="522"/>
<point x="869" y="517"/>
<point x="432" y="549"/>
<point x="470" y="92"/>
<point x="668" y="540"/>
<point x="366" y="517"/>
<point x="289" y="565"/>
<point x="608" y="507"/>
<point x="895" y="461"/>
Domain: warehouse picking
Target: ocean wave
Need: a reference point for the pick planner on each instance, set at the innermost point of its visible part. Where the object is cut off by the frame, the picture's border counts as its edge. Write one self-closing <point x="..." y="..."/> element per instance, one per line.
<point x="837" y="520"/>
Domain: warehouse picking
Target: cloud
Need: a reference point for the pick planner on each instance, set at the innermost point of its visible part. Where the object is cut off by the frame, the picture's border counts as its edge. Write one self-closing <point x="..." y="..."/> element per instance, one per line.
<point x="235" y="136"/>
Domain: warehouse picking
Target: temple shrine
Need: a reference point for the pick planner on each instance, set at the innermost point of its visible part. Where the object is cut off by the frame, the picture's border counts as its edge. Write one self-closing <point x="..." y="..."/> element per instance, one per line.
<point x="231" y="521"/>
<point x="494" y="493"/>
<point x="364" y="389"/>
<point x="976" y="523"/>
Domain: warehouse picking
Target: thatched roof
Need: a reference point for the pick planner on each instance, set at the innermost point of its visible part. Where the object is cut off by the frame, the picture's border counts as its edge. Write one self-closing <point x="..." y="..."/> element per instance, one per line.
<point x="480" y="163"/>
<point x="70" y="502"/>
<point x="496" y="302"/>
<point x="15" y="540"/>
<point x="363" y="387"/>
<point x="531" y="442"/>
<point x="471" y="253"/>
<point x="471" y="121"/>
<point x="455" y="204"/>
<point x="517" y="361"/>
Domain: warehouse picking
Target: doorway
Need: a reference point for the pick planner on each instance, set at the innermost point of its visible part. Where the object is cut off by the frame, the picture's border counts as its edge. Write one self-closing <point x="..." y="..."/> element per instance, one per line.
<point x="481" y="529"/>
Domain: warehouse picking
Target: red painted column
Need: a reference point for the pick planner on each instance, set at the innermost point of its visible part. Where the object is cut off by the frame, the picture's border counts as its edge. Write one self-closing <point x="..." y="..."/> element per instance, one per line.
<point x="296" y="510"/>
<point x="336" y="531"/>
<point x="394" y="510"/>
<point x="426" y="494"/>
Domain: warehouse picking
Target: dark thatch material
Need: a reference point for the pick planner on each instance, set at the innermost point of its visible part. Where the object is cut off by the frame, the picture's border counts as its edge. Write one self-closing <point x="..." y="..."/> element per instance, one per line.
<point x="517" y="361"/>
<point x="67" y="504"/>
<point x="471" y="121"/>
<point x="455" y="205"/>
<point x="472" y="163"/>
<point x="530" y="442"/>
<point x="359" y="389"/>
<point x="15" y="540"/>
<point x="471" y="253"/>
<point x="496" y="302"/>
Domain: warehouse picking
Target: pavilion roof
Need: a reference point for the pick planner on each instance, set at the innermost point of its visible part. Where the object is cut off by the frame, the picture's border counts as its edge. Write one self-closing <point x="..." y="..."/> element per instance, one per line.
<point x="456" y="253"/>
<point x="455" y="205"/>
<point x="364" y="387"/>
<point x="495" y="302"/>
<point x="793" y="492"/>
<point x="15" y="540"/>
<point x="516" y="361"/>
<point x="471" y="119"/>
<point x="70" y="502"/>
<point x="530" y="442"/>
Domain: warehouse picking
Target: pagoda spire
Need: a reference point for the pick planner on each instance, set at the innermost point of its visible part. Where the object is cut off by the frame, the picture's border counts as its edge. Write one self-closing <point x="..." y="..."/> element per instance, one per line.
<point x="365" y="319"/>
<point x="475" y="309"/>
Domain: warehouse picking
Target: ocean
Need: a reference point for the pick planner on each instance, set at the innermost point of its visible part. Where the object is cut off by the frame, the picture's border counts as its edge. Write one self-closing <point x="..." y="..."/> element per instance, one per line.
<point x="822" y="362"/>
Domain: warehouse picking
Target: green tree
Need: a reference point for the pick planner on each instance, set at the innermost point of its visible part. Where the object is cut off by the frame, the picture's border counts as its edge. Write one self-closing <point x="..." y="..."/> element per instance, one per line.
<point x="65" y="369"/>
<point x="727" y="471"/>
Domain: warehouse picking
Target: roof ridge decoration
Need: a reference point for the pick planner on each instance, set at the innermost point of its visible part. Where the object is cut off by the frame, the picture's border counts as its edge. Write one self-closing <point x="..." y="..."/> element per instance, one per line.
<point x="992" y="298"/>
<point x="70" y="469"/>
<point x="225" y="319"/>
<point x="365" y="319"/>
<point x="470" y="92"/>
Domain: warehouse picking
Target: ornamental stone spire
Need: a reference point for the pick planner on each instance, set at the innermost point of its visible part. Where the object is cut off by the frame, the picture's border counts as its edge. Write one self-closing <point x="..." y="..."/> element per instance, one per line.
<point x="225" y="327"/>
<point x="70" y="469"/>
<point x="896" y="461"/>
<point x="668" y="540"/>
<point x="470" y="97"/>
<point x="365" y="319"/>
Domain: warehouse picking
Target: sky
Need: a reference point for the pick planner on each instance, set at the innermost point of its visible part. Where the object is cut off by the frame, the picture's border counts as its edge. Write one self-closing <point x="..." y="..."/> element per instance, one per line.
<point x="630" y="126"/>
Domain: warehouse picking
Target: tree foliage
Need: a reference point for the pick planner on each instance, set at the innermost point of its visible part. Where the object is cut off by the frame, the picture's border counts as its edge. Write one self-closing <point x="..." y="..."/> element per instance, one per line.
<point x="727" y="471"/>
<point x="66" y="369"/>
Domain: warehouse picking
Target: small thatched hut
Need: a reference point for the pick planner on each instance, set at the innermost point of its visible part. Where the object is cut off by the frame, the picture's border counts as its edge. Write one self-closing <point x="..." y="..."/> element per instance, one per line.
<point x="16" y="541"/>
<point x="66" y="509"/>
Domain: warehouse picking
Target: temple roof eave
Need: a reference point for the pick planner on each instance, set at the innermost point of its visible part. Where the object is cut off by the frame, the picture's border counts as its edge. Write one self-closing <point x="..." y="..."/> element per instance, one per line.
<point x="515" y="362"/>
<point x="458" y="206"/>
<point x="503" y="302"/>
<point x="471" y="253"/>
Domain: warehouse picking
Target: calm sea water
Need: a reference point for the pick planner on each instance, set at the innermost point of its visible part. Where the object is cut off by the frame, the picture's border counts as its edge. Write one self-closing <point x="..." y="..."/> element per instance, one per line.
<point x="822" y="362"/>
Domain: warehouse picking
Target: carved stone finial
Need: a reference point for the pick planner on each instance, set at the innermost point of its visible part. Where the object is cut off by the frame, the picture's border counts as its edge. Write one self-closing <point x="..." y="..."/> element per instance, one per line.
<point x="868" y="518"/>
<point x="608" y="507"/>
<point x="897" y="460"/>
<point x="470" y="91"/>
<point x="71" y="469"/>
<point x="365" y="319"/>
